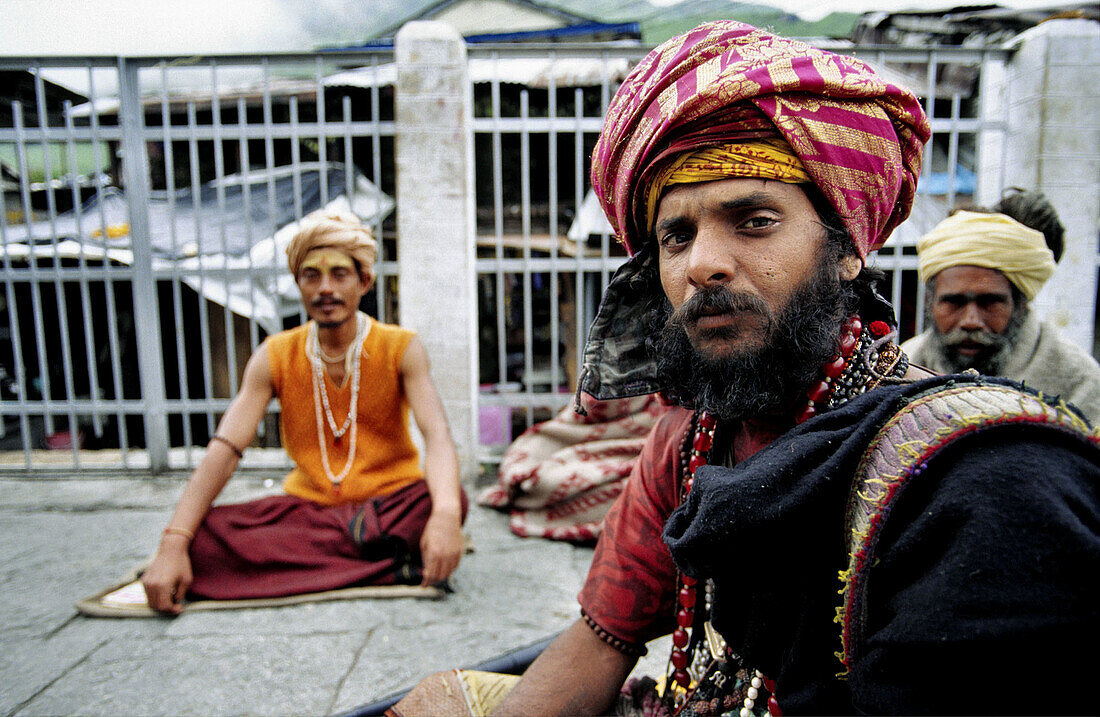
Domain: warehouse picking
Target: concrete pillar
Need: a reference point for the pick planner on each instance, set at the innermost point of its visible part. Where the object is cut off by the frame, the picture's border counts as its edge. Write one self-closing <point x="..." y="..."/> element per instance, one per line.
<point x="436" y="248"/>
<point x="992" y="95"/>
<point x="135" y="170"/>
<point x="1053" y="116"/>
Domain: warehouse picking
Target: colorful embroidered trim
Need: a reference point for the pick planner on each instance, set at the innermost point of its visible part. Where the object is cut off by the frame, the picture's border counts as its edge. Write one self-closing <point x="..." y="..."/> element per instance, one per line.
<point x="900" y="452"/>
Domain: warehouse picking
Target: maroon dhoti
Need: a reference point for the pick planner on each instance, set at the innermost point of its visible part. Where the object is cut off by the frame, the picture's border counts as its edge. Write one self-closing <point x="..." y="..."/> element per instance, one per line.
<point x="285" y="545"/>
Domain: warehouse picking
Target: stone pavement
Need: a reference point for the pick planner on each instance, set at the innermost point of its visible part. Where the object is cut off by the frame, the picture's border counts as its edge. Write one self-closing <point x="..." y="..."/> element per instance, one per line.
<point x="62" y="540"/>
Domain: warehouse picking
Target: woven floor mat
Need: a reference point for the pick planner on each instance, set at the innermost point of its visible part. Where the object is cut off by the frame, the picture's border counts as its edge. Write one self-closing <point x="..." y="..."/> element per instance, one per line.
<point x="126" y="598"/>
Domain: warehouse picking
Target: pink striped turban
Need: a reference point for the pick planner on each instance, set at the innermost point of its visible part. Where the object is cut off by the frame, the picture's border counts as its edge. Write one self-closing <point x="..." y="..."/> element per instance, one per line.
<point x="858" y="136"/>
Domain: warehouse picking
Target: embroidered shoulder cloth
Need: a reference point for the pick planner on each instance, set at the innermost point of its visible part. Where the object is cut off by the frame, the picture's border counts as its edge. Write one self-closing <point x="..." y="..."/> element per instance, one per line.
<point x="901" y="451"/>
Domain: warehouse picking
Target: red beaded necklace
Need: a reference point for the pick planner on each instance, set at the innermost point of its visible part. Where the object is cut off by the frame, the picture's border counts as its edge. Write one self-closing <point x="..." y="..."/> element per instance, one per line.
<point x="701" y="444"/>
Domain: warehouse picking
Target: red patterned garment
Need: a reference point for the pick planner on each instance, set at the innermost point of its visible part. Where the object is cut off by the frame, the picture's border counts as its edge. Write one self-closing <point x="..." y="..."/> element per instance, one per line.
<point x="631" y="585"/>
<point x="560" y="477"/>
<point x="285" y="545"/>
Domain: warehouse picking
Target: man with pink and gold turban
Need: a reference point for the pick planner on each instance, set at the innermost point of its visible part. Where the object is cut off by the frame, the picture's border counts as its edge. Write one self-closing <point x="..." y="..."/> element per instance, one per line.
<point x="749" y="176"/>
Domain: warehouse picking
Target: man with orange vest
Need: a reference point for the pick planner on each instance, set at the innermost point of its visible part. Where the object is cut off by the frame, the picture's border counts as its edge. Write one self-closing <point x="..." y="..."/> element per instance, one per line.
<point x="358" y="508"/>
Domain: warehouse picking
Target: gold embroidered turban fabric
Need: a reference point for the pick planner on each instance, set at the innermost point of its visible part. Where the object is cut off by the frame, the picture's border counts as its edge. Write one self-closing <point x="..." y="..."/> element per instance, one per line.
<point x="858" y="137"/>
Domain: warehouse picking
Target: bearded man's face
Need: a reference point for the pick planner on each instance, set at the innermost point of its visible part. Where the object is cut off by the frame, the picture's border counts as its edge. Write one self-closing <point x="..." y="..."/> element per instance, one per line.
<point x="975" y="318"/>
<point x="754" y="306"/>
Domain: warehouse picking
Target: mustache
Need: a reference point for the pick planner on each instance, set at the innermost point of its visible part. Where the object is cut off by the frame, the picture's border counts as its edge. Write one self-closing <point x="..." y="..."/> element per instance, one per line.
<point x="719" y="300"/>
<point x="985" y="339"/>
<point x="326" y="300"/>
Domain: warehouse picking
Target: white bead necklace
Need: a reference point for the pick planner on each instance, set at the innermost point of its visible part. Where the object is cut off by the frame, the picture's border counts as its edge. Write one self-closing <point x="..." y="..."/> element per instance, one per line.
<point x="752" y="694"/>
<point x="331" y="359"/>
<point x="320" y="394"/>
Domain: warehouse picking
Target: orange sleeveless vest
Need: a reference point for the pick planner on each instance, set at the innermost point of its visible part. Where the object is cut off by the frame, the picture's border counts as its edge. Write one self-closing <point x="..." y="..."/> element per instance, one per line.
<point x="385" y="457"/>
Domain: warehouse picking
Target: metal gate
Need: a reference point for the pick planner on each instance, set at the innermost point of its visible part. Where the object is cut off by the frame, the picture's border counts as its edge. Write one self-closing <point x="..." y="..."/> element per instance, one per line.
<point x="139" y="245"/>
<point x="137" y="285"/>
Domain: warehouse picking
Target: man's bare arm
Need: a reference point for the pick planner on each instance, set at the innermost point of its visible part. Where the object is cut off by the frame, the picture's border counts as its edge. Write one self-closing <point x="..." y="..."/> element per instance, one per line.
<point x="577" y="674"/>
<point x="168" y="577"/>
<point x="441" y="543"/>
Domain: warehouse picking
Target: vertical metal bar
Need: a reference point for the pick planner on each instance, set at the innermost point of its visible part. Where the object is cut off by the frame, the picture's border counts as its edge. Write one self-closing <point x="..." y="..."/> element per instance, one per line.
<point x="245" y="160"/>
<point x="62" y="304"/>
<point x="953" y="150"/>
<point x="296" y="158"/>
<point x="349" y="167"/>
<point x="18" y="368"/>
<point x="552" y="151"/>
<point x="1004" y="133"/>
<point x="498" y="227"/>
<point x="381" y="292"/>
<point x="582" y="243"/>
<point x="196" y="208"/>
<point x="930" y="109"/>
<point x="146" y="318"/>
<point x="32" y="264"/>
<point x="525" y="220"/>
<point x="177" y="294"/>
<point x="82" y="267"/>
<point x="895" y="288"/>
<point x="922" y="297"/>
<point x="605" y="239"/>
<point x="296" y="175"/>
<point x="113" y="334"/>
<point x="219" y="192"/>
<point x="5" y="262"/>
<point x="269" y="167"/>
<point x="350" y="177"/>
<point x="322" y="149"/>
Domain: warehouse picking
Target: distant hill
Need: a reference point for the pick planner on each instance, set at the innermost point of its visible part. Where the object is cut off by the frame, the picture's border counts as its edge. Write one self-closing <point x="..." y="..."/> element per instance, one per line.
<point x="661" y="23"/>
<point x="658" y="23"/>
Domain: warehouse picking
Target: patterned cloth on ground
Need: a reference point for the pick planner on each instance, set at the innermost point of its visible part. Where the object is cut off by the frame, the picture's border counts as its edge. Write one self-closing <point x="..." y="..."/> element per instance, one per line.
<point x="560" y="477"/>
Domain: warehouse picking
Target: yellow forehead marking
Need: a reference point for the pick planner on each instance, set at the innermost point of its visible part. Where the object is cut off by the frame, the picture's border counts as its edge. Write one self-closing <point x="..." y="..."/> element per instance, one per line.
<point x="327" y="259"/>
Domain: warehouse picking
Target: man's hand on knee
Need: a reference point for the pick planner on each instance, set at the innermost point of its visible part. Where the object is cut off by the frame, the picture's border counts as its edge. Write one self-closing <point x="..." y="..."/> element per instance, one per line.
<point x="441" y="546"/>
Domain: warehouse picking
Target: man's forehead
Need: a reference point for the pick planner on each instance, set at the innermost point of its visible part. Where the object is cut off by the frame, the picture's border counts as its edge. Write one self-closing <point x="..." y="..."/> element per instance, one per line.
<point x="327" y="258"/>
<point x="969" y="280"/>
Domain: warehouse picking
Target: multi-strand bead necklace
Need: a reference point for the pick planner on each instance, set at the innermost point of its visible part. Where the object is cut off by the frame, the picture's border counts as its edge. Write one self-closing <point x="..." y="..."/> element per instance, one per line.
<point x="317" y="359"/>
<point x="842" y="379"/>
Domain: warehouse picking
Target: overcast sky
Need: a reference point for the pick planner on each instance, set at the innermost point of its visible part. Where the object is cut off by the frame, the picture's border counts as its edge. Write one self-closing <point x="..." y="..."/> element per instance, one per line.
<point x="815" y="9"/>
<point x="144" y="27"/>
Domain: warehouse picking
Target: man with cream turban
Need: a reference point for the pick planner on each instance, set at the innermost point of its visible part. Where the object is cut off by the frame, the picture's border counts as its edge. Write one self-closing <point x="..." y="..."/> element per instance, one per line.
<point x="981" y="271"/>
<point x="749" y="176"/>
<point x="358" y="509"/>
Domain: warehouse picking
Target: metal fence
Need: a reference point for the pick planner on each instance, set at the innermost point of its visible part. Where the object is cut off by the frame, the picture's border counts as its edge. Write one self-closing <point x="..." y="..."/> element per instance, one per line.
<point x="134" y="296"/>
<point x="137" y="282"/>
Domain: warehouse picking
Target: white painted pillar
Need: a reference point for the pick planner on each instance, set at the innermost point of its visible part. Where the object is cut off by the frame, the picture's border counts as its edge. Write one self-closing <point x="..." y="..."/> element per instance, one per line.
<point x="1053" y="116"/>
<point x="436" y="248"/>
<point x="993" y="97"/>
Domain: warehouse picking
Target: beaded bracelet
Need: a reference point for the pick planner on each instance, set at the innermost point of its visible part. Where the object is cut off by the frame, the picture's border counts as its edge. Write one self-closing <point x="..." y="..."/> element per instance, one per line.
<point x="174" y="530"/>
<point x="226" y="441"/>
<point x="622" y="646"/>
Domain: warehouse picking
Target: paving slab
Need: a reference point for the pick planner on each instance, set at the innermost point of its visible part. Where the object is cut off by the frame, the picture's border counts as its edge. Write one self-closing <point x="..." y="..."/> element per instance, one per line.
<point x="63" y="540"/>
<point x="213" y="675"/>
<point x="30" y="665"/>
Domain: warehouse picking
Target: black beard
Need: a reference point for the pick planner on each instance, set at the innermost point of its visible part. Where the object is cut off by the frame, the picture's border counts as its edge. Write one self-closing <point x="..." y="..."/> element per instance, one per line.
<point x="991" y="359"/>
<point x="762" y="380"/>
